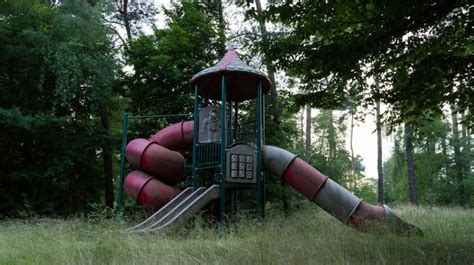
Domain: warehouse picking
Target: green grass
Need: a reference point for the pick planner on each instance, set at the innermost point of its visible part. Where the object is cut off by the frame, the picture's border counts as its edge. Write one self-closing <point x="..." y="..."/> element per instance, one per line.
<point x="309" y="236"/>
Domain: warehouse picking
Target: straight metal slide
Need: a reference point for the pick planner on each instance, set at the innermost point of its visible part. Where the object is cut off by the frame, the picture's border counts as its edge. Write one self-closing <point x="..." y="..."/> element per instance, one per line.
<point x="181" y="210"/>
<point x="158" y="215"/>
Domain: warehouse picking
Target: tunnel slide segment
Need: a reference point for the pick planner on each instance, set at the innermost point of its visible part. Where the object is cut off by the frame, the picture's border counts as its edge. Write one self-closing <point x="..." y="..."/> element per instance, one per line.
<point x="159" y="165"/>
<point x="330" y="196"/>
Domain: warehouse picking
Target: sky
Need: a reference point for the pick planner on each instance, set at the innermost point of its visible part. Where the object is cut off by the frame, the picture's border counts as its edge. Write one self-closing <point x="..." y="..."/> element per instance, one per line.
<point x="365" y="137"/>
<point x="365" y="144"/>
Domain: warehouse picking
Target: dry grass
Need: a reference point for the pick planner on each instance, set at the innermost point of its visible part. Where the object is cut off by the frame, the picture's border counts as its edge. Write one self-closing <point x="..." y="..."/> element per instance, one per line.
<point x="310" y="236"/>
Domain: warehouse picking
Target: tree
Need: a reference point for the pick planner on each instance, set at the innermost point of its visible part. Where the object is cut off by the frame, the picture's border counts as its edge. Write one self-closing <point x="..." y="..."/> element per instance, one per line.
<point x="249" y="36"/>
<point x="308" y="130"/>
<point x="330" y="155"/>
<point x="352" y="111"/>
<point x="329" y="43"/>
<point x="395" y="172"/>
<point x="378" y="121"/>
<point x="434" y="163"/>
<point x="56" y="70"/>
<point x="458" y="161"/>
<point x="467" y="158"/>
<point x="410" y="164"/>
<point x="163" y="63"/>
<point x="130" y="16"/>
<point x="274" y="106"/>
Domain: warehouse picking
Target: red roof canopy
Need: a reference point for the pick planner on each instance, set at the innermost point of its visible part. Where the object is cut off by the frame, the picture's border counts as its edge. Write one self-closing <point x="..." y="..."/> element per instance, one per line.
<point x="241" y="79"/>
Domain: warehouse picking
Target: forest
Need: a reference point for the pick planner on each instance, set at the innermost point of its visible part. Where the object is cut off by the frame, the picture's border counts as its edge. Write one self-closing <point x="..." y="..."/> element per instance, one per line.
<point x="69" y="69"/>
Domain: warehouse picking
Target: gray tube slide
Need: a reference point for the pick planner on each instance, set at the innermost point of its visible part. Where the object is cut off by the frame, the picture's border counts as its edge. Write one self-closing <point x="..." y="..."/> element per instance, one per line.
<point x="330" y="196"/>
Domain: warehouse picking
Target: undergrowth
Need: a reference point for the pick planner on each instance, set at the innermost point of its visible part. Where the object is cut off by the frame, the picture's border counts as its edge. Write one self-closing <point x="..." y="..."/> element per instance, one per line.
<point x="308" y="236"/>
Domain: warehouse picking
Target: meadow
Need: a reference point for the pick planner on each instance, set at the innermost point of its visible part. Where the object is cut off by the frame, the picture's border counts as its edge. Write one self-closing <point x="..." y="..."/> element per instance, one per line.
<point x="308" y="236"/>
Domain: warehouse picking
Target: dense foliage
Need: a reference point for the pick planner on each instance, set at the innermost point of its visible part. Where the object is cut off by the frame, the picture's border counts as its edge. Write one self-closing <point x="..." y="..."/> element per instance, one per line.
<point x="56" y="74"/>
<point x="440" y="181"/>
<point x="419" y="49"/>
<point x="165" y="61"/>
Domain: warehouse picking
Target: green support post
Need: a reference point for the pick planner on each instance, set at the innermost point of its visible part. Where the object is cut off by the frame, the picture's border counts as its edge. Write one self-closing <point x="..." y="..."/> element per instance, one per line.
<point x="229" y="123"/>
<point x="122" y="161"/>
<point x="260" y="206"/>
<point x="236" y="119"/>
<point x="195" y="135"/>
<point x="223" y="146"/>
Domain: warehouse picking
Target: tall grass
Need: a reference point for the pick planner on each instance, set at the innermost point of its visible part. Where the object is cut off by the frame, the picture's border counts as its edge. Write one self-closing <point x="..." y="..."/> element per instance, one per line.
<point x="309" y="236"/>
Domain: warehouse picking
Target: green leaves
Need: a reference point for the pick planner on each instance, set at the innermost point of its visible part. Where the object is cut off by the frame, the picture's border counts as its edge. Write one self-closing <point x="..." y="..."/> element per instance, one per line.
<point x="422" y="48"/>
<point x="12" y="118"/>
<point x="164" y="62"/>
<point x="55" y="69"/>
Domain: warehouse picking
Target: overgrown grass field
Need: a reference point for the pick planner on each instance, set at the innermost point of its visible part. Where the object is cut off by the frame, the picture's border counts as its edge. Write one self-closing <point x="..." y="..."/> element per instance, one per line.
<point x="309" y="236"/>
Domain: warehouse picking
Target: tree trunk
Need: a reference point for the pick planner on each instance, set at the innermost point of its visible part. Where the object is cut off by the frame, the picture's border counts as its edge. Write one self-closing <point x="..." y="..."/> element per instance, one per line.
<point x="273" y="96"/>
<point x="464" y="133"/>
<point x="107" y="156"/>
<point x="220" y="10"/>
<point x="410" y="164"/>
<point x="466" y="153"/>
<point x="380" y="189"/>
<point x="221" y="28"/>
<point x="69" y="196"/>
<point x="308" y="130"/>
<point x="353" y="162"/>
<point x="331" y="136"/>
<point x="302" y="128"/>
<point x="457" y="155"/>
<point x="444" y="150"/>
<point x="126" y="19"/>
<point x="84" y="202"/>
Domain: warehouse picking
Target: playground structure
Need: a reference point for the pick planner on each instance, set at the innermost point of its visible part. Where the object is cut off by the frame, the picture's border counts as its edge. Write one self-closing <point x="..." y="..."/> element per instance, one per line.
<point x="226" y="136"/>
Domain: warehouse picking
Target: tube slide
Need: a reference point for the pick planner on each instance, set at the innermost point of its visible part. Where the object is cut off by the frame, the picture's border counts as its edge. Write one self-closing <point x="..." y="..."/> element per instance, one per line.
<point x="148" y="191"/>
<point x="330" y="196"/>
<point x="156" y="160"/>
<point x="160" y="165"/>
<point x="175" y="137"/>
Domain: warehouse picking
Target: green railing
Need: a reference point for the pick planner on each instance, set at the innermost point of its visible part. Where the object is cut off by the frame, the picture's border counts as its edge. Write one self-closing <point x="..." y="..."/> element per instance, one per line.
<point x="208" y="155"/>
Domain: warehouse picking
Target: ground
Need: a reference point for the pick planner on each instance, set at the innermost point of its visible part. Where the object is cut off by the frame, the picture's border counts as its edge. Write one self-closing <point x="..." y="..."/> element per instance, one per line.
<point x="308" y="236"/>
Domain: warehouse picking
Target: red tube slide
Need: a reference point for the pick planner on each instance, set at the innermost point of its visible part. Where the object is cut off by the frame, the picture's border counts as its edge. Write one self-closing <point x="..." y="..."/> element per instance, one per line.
<point x="156" y="160"/>
<point x="330" y="196"/>
<point x="175" y="137"/>
<point x="148" y="191"/>
<point x="160" y="165"/>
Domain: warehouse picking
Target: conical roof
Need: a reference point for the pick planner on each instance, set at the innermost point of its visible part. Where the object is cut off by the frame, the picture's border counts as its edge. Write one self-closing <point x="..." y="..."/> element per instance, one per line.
<point x="241" y="79"/>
